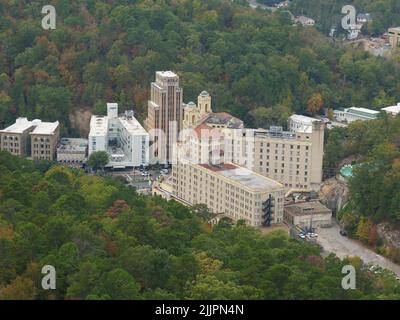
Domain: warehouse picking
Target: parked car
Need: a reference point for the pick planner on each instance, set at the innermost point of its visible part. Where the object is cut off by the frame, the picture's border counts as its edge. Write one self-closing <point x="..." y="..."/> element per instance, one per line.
<point x="343" y="232"/>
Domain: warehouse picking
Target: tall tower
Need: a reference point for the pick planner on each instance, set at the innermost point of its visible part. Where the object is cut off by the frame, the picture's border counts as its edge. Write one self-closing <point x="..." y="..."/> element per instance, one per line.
<point x="204" y="103"/>
<point x="164" y="119"/>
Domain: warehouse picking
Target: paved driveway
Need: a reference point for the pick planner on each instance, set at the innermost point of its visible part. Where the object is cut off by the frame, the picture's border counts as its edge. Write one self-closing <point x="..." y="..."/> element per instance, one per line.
<point x="331" y="240"/>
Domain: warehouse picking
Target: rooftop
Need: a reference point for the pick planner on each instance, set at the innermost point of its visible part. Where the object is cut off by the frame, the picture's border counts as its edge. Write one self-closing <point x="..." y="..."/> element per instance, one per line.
<point x="204" y="131"/>
<point x="303" y="119"/>
<point x="45" y="128"/>
<point x="20" y="125"/>
<point x="167" y="74"/>
<point x="72" y="145"/>
<point x="223" y="118"/>
<point x="243" y="176"/>
<point x="363" y="112"/>
<point x="132" y="125"/>
<point x="393" y="109"/>
<point x="307" y="208"/>
<point x="23" y="124"/>
<point x="98" y="125"/>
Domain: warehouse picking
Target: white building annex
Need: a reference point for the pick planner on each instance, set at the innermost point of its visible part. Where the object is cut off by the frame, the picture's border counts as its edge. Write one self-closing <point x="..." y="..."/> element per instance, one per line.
<point x="121" y="136"/>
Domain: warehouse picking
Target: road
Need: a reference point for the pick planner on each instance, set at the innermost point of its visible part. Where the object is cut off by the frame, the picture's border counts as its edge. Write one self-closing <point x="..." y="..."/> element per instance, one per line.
<point x="254" y="4"/>
<point x="331" y="240"/>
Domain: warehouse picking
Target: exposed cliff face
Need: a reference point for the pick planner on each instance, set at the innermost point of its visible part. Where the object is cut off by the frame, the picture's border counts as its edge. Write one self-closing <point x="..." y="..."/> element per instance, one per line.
<point x="389" y="235"/>
<point x="80" y="120"/>
<point x="334" y="194"/>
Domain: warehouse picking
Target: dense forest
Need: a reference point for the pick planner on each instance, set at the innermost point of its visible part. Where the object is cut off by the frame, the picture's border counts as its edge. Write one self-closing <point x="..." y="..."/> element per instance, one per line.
<point x="254" y="63"/>
<point x="375" y="187"/>
<point x="328" y="13"/>
<point x="107" y="242"/>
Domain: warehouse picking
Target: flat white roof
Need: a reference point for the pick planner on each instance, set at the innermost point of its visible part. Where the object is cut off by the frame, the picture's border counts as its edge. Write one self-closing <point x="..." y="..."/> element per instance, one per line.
<point x="167" y="74"/>
<point x="20" y="125"/>
<point x="303" y="119"/>
<point x="23" y="124"/>
<point x="98" y="126"/>
<point x="132" y="125"/>
<point x="45" y="128"/>
<point x="393" y="109"/>
<point x="372" y="112"/>
<point x="250" y="179"/>
<point x="243" y="176"/>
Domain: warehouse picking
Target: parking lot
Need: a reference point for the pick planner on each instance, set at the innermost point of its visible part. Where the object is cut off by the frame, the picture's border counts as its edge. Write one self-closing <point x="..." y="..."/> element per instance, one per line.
<point x="139" y="179"/>
<point x="331" y="240"/>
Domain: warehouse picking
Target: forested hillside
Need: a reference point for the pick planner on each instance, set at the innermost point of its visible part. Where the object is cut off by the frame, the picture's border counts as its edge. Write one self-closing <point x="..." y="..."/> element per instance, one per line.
<point x="385" y="13"/>
<point x="256" y="65"/>
<point x="107" y="242"/>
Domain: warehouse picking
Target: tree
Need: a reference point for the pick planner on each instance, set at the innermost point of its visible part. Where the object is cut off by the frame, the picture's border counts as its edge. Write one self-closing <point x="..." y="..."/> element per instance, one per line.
<point x="120" y="285"/>
<point x="203" y="212"/>
<point x="19" y="289"/>
<point x="315" y="103"/>
<point x="98" y="160"/>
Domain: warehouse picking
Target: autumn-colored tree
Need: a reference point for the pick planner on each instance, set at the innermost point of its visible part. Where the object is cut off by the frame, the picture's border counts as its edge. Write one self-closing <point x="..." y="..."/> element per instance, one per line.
<point x="315" y="103"/>
<point x="117" y="208"/>
<point x="373" y="236"/>
<point x="20" y="288"/>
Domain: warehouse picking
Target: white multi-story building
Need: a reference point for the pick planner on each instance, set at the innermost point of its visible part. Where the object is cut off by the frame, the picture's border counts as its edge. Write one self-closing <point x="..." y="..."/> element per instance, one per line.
<point x="122" y="137"/>
<point x="299" y="123"/>
<point x="352" y="114"/>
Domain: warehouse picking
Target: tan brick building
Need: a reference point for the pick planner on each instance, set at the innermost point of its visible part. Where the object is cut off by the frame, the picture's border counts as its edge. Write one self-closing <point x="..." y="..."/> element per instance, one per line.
<point x="165" y="115"/>
<point x="293" y="158"/>
<point x="35" y="139"/>
<point x="228" y="189"/>
<point x="306" y="214"/>
<point x="15" y="139"/>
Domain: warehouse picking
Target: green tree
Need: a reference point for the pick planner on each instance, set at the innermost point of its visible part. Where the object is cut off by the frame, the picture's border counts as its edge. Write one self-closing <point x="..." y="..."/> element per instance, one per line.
<point x="98" y="160"/>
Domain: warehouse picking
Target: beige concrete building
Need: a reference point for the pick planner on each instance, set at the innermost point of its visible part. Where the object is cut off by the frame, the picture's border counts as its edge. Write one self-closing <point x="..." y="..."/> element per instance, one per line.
<point x="15" y="139"/>
<point x="44" y="140"/>
<point x="35" y="139"/>
<point x="293" y="158"/>
<point x="228" y="189"/>
<point x="193" y="114"/>
<point x="394" y="37"/>
<point x="72" y="151"/>
<point x="165" y="116"/>
<point x="306" y="214"/>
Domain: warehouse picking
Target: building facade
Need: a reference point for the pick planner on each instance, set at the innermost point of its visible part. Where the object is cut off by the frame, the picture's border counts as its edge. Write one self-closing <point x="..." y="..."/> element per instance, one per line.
<point x="230" y="190"/>
<point x="44" y="140"/>
<point x="394" y="37"/>
<point x="121" y="136"/>
<point x="307" y="214"/>
<point x="165" y="116"/>
<point x="352" y="114"/>
<point x="35" y="139"/>
<point x="72" y="151"/>
<point x="294" y="159"/>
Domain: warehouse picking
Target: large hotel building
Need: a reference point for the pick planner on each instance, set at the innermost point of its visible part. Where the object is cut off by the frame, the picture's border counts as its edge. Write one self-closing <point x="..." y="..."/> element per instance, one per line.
<point x="165" y="116"/>
<point x="294" y="158"/>
<point x="230" y="190"/>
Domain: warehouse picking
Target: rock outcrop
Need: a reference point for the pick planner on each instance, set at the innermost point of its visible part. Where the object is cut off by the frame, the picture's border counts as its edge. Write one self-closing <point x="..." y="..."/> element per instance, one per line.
<point x="334" y="194"/>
